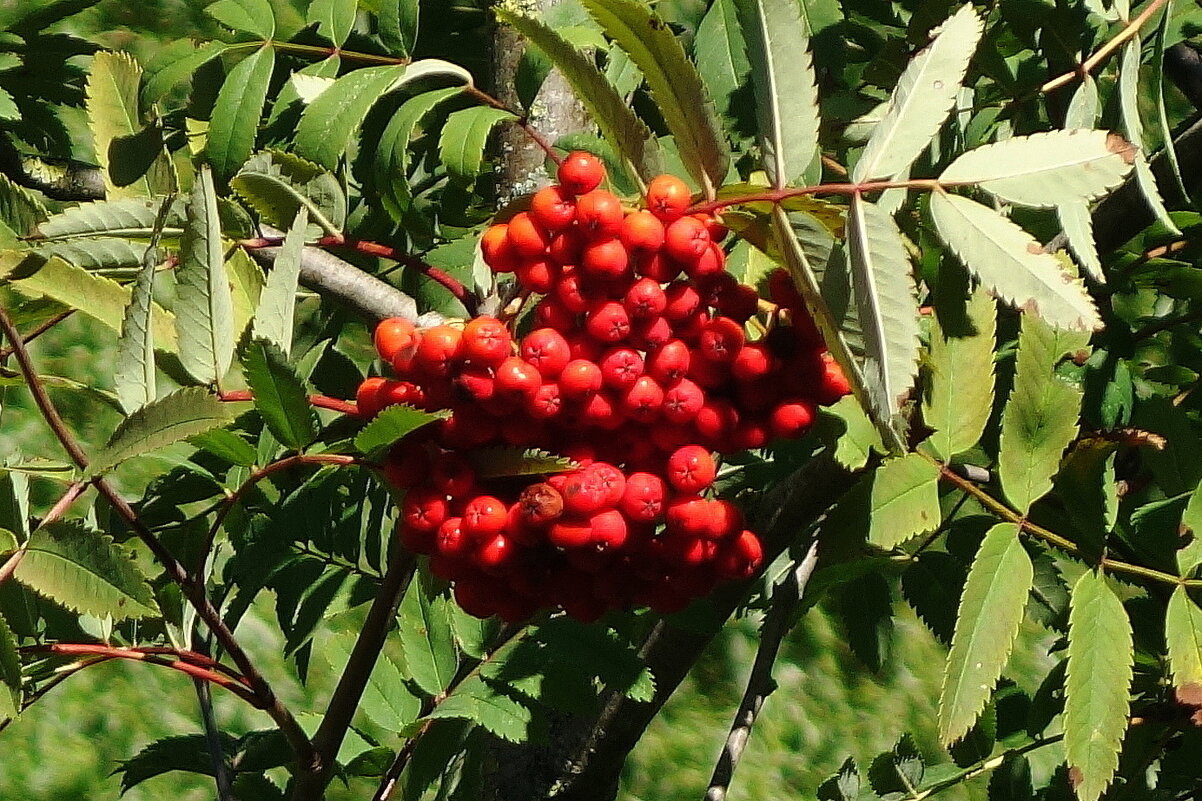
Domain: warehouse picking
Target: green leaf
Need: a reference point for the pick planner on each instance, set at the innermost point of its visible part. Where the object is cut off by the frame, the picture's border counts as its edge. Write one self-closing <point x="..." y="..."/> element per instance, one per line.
<point x="175" y="417"/>
<point x="8" y="106"/>
<point x="720" y="52"/>
<point x="1046" y="169"/>
<point x="277" y="185"/>
<point x="20" y="209"/>
<point x="97" y="253"/>
<point x="924" y="95"/>
<point x="277" y="303"/>
<point x="1128" y="86"/>
<point x="116" y="125"/>
<point x="235" y="118"/>
<point x="85" y="572"/>
<point x="427" y="639"/>
<point x="1083" y="108"/>
<point x="10" y="668"/>
<point x="1087" y="488"/>
<point x="503" y="462"/>
<point x="461" y="145"/>
<point x="1009" y="261"/>
<point x="617" y="121"/>
<point x="785" y="93"/>
<point x="335" y="18"/>
<point x="251" y="16"/>
<point x="329" y="123"/>
<point x="858" y="438"/>
<point x="302" y="85"/>
<point x="1183" y="635"/>
<point x="133" y="374"/>
<point x="481" y="702"/>
<point x="960" y="390"/>
<point x="398" y="26"/>
<point x="280" y="395"/>
<point x="126" y="217"/>
<point x="1162" y="117"/>
<point x="186" y="752"/>
<point x="392" y="153"/>
<point x="905" y="500"/>
<point x="386" y="700"/>
<point x="204" y="310"/>
<point x="226" y="444"/>
<point x="887" y="305"/>
<point x="246" y="285"/>
<point x="96" y="296"/>
<point x="391" y="425"/>
<point x="175" y="62"/>
<point x="991" y="610"/>
<point x="673" y="81"/>
<point x="1077" y="223"/>
<point x="1097" y="701"/>
<point x="1040" y="417"/>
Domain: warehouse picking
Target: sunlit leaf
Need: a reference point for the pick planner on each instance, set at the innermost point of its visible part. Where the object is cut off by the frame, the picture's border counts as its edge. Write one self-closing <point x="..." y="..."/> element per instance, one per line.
<point x="204" y="311"/>
<point x="251" y="16"/>
<point x="335" y="18"/>
<point x="173" y="418"/>
<point x="398" y="25"/>
<point x="464" y="136"/>
<point x="1183" y="635"/>
<point x="280" y="395"/>
<point x="959" y="394"/>
<point x="235" y="118"/>
<point x="1128" y="87"/>
<point x="904" y="500"/>
<point x="277" y="303"/>
<point x="391" y="425"/>
<point x="277" y="185"/>
<point x="427" y="639"/>
<point x="131" y="157"/>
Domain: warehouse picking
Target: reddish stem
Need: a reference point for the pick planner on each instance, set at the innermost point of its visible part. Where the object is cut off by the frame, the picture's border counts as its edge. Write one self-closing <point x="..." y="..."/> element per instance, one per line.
<point x="320" y="401"/>
<point x="781" y="195"/>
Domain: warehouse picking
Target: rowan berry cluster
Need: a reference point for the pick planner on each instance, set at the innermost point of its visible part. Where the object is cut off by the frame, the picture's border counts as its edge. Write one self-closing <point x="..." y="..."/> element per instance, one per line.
<point x="637" y="367"/>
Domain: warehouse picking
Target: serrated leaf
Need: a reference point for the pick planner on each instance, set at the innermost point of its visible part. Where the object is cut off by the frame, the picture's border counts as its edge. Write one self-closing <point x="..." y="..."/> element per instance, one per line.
<point x="335" y="18"/>
<point x="620" y="126"/>
<point x="226" y="444"/>
<point x="786" y="97"/>
<point x="1046" y="169"/>
<point x="277" y="303"/>
<point x="859" y="438"/>
<point x="20" y="209"/>
<point x="277" y="185"/>
<point x="132" y="158"/>
<point x="960" y="391"/>
<point x="10" y="668"/>
<point x="280" y="395"/>
<point x="175" y="417"/>
<point x="386" y="700"/>
<point x="85" y="572"/>
<point x="484" y="704"/>
<point x="185" y="752"/>
<point x="720" y="52"/>
<point x="464" y="136"/>
<point x="398" y="25"/>
<point x="1040" y="416"/>
<point x="204" y="309"/>
<point x="1086" y="486"/>
<point x="427" y="639"/>
<point x="1183" y="636"/>
<point x="1083" y="108"/>
<point x="304" y="85"/>
<point x="905" y="500"/>
<point x="472" y="634"/>
<point x="236" y="113"/>
<point x="1128" y="88"/>
<point x="991" y="610"/>
<point x="1010" y="262"/>
<point x="925" y="93"/>
<point x="391" y="425"/>
<point x="125" y="217"/>
<point x="97" y="253"/>
<point x="886" y="303"/>
<point x="175" y="62"/>
<point x="251" y="16"/>
<point x="246" y="285"/>
<point x="393" y="151"/>
<point x="329" y="123"/>
<point x="673" y="81"/>
<point x="134" y="375"/>
<point x="1077" y="224"/>
<point x="502" y="462"/>
<point x="932" y="585"/>
<point x="98" y="297"/>
<point x="1100" y="654"/>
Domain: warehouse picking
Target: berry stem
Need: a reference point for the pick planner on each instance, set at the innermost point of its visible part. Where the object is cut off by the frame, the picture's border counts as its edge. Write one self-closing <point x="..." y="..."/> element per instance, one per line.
<point x="319" y="401"/>
<point x="781" y="195"/>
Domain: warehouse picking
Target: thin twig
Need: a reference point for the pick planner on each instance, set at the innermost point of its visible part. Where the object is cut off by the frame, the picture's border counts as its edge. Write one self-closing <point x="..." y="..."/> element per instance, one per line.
<point x="760" y="684"/>
<point x="349" y="691"/>
<point x="221" y="776"/>
<point x="522" y="121"/>
<point x="38" y="331"/>
<point x="58" y="510"/>
<point x="780" y="195"/>
<point x="319" y="401"/>
<point x="1090" y="64"/>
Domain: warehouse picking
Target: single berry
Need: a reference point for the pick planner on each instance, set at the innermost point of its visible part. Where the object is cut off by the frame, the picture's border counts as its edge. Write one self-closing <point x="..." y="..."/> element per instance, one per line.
<point x="643" y="497"/>
<point x="393" y="336"/>
<point x="537" y="275"/>
<point x="553" y="208"/>
<point x="621" y="367"/>
<point x="572" y="292"/>
<point x="528" y="239"/>
<point x="451" y="541"/>
<point x="517" y="377"/>
<point x="424" y="509"/>
<point x="565" y="247"/>
<point x="642" y="232"/>
<point x="682" y="401"/>
<point x="683" y="301"/>
<point x="605" y="259"/>
<point x="598" y="214"/>
<point x="608" y="530"/>
<point x="753" y="361"/>
<point x="570" y="533"/>
<point x="367" y="397"/>
<point x="486" y="340"/>
<point x="691" y="469"/>
<point x="792" y="418"/>
<point x="645" y="299"/>
<point x="498" y="253"/>
<point x="607" y="322"/>
<point x="546" y="402"/>
<point x="651" y="334"/>
<point x="540" y="504"/>
<point x="580" y="172"/>
<point x="670" y="362"/>
<point x="721" y="339"/>
<point x="610" y="478"/>
<point x="438" y="350"/>
<point x="495" y="554"/>
<point x="547" y="350"/>
<point x="484" y="517"/>
<point x="579" y="379"/>
<point x="668" y="197"/>
<point x="684" y="240"/>
<point x="642" y="402"/>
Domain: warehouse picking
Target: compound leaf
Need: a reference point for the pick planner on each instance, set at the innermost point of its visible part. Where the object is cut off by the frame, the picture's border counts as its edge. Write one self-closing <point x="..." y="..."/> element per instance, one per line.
<point x="487" y="705"/>
<point x="393" y="151"/>
<point x="1128" y="86"/>
<point x="134" y="376"/>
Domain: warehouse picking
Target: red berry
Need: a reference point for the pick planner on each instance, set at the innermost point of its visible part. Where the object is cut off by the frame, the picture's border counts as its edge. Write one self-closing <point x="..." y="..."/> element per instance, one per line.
<point x="497" y="251"/>
<point x="538" y="275"/>
<point x="644" y="299"/>
<point x="598" y="214"/>
<point x="549" y="313"/>
<point x="607" y="322"/>
<point x="657" y="267"/>
<point x="642" y="402"/>
<point x="553" y="208"/>
<point x="424" y="509"/>
<point x="684" y="240"/>
<point x="682" y="401"/>
<point x="742" y="557"/>
<point x="580" y="172"/>
<point x="710" y="264"/>
<point x="792" y="418"/>
<point x="495" y="554"/>
<point x="565" y="247"/>
<point x="570" y="533"/>
<point x="683" y="301"/>
<point x="517" y="377"/>
<point x="751" y="433"/>
<point x="608" y="530"/>
<point x="643" y="498"/>
<point x="528" y="238"/>
<point x="368" y="402"/>
<point x="721" y="339"/>
<point x="546" y="402"/>
<point x="584" y="493"/>
<point x="406" y="467"/>
<point x="486" y="340"/>
<point x="467" y="429"/>
<point x="783" y="291"/>
<point x="451" y="541"/>
<point x="547" y="350"/>
<point x="722" y="519"/>
<point x="670" y="362"/>
<point x="476" y="382"/>
<point x="834" y="383"/>
<point x="668" y="197"/>
<point x="753" y="361"/>
<point x="600" y="411"/>
<point x="452" y="475"/>
<point x="686" y="515"/>
<point x="642" y="232"/>
<point x="483" y="517"/>
<point x="579" y="379"/>
<point x="393" y="336"/>
<point x="650" y="334"/>
<point x="717" y="230"/>
<point x="571" y="291"/>
<point x="691" y="469"/>
<point x="740" y="302"/>
<point x="605" y="259"/>
<point x="621" y="367"/>
<point x="439" y="348"/>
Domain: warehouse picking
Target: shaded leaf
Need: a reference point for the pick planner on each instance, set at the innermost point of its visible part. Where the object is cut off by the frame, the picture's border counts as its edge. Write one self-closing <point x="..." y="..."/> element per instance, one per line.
<point x="175" y="62"/>
<point x="185" y="752"/>
<point x="991" y="610"/>
<point x="960" y="390"/>
<point x="173" y="418"/>
<point x="720" y="52"/>
<point x="204" y="310"/>
<point x="932" y="585"/>
<point x="1100" y="654"/>
<point x="464" y="136"/>
<point x="887" y="305"/>
<point x="905" y="500"/>
<point x="386" y="700"/>
<point x="97" y="253"/>
<point x="1083" y="108"/>
<point x="427" y="639"/>
<point x="673" y="81"/>
<point x="226" y="444"/>
<point x="618" y="123"/>
<point x="113" y="117"/>
<point x="786" y="96"/>
<point x="277" y="185"/>
<point x="1046" y="169"/>
<point x="85" y="572"/>
<point x="925" y="93"/>
<point x="280" y="395"/>
<point x="858" y="439"/>
<point x="134" y="375"/>
<point x="398" y="25"/>
<point x="391" y="425"/>
<point x="481" y="702"/>
<point x="1183" y="635"/>
<point x="1009" y="261"/>
<point x="10" y="668"/>
<point x="1040" y="416"/>
<point x="1128" y="88"/>
<point x="335" y="18"/>
<point x="1077" y="223"/>
<point x="236" y="113"/>
<point x="393" y="151"/>
<point x="277" y="303"/>
<point x="502" y="462"/>
<point x="20" y="209"/>
<point x="251" y="16"/>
